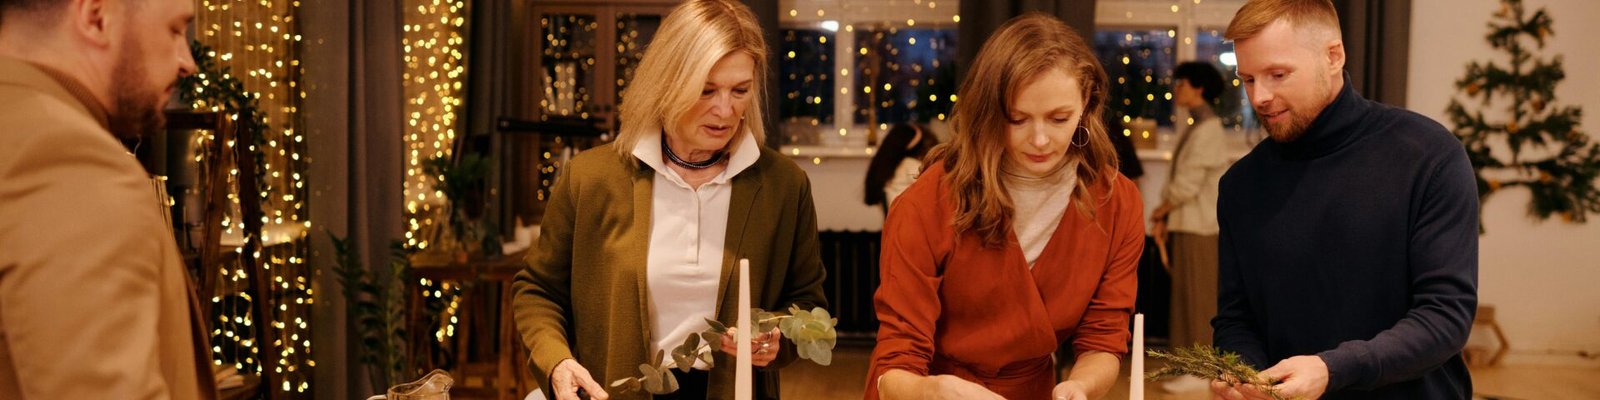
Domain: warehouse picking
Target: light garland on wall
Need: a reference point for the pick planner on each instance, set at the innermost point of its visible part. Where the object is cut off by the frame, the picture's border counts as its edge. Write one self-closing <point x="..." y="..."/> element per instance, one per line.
<point x="260" y="38"/>
<point x="432" y="41"/>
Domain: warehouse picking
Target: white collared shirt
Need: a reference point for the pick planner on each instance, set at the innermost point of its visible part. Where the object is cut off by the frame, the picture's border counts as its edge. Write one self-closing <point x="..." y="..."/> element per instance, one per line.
<point x="687" y="230"/>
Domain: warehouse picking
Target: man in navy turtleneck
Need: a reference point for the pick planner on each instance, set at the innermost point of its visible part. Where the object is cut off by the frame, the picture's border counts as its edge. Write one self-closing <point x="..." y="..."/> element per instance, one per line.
<point x="1349" y="242"/>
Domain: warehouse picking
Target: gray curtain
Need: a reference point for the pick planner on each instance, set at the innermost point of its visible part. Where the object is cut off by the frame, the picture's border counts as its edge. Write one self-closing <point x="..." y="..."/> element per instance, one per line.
<point x="1377" y="37"/>
<point x="352" y="64"/>
<point x="979" y="20"/>
<point x="767" y="12"/>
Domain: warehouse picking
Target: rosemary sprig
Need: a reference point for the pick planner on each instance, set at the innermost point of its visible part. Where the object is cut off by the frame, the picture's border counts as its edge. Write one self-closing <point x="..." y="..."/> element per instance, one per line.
<point x="1206" y="362"/>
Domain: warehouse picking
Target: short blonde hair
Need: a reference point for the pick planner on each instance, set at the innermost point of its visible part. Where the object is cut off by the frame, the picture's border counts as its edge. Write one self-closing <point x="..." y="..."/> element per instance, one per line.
<point x="1256" y="15"/>
<point x="694" y="36"/>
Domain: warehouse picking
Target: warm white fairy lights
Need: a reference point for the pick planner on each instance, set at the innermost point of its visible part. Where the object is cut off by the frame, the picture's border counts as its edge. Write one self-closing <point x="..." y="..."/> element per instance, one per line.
<point x="259" y="41"/>
<point x="433" y="41"/>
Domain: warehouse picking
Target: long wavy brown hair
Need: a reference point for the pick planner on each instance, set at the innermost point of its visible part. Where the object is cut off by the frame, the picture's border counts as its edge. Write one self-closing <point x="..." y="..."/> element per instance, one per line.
<point x="1018" y="53"/>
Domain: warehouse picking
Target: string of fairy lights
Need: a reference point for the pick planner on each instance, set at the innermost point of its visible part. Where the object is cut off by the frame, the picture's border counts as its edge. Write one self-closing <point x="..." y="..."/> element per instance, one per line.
<point x="433" y="41"/>
<point x="435" y="69"/>
<point x="258" y="40"/>
<point x="1139" y="62"/>
<point x="859" y="68"/>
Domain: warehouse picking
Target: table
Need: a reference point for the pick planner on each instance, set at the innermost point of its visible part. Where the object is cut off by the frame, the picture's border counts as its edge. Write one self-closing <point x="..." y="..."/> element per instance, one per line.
<point x="506" y="377"/>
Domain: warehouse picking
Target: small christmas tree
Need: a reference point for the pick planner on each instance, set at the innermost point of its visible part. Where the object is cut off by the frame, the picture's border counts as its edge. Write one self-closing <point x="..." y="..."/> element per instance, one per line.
<point x="1548" y="154"/>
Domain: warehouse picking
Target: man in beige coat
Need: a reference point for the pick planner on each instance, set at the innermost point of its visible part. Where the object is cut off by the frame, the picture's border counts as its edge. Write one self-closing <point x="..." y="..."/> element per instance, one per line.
<point x="94" y="300"/>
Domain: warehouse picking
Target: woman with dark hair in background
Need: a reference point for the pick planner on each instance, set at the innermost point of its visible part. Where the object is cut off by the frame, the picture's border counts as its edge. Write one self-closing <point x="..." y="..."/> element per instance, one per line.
<point x="896" y="163"/>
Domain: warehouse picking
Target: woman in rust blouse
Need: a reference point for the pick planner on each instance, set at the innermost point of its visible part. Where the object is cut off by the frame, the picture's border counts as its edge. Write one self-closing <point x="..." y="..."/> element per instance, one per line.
<point x="1020" y="235"/>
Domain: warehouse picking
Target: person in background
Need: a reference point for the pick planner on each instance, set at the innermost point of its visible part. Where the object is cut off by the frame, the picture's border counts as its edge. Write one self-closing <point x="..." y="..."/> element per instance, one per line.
<point x="1128" y="162"/>
<point x="1019" y="236"/>
<point x="1348" y="246"/>
<point x="95" y="302"/>
<point x="896" y="163"/>
<point x="642" y="237"/>
<point x="1186" y="219"/>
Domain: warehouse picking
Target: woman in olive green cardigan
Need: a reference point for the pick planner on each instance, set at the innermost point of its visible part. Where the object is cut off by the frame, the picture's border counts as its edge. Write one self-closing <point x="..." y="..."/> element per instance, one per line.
<point x="641" y="236"/>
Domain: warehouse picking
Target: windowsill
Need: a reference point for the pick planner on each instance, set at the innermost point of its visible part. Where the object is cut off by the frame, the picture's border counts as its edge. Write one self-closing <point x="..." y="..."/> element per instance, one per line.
<point x="837" y="151"/>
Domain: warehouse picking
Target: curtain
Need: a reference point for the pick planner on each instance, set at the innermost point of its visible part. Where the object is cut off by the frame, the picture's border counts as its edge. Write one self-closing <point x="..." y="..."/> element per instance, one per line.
<point x="979" y="20"/>
<point x="1377" y="38"/>
<point x="353" y="97"/>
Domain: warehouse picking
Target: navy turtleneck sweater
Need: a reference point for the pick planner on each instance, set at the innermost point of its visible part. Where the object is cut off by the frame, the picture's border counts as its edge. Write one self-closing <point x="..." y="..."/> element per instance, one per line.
<point x="1358" y="243"/>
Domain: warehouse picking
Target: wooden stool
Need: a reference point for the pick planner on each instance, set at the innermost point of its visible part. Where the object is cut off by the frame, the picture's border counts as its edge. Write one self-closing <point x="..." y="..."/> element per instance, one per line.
<point x="1480" y="356"/>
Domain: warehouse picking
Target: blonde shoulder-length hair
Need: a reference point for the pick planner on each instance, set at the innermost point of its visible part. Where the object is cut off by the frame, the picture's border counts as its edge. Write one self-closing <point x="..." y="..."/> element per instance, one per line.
<point x="694" y="36"/>
<point x="1020" y="51"/>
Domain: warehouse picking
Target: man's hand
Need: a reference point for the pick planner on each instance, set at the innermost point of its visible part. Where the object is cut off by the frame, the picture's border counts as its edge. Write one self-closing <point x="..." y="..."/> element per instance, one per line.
<point x="569" y="376"/>
<point x="1303" y="377"/>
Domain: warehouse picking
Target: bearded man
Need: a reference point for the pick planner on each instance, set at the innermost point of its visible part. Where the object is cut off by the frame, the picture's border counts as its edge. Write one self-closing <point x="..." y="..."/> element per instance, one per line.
<point x="1349" y="241"/>
<point x="94" y="299"/>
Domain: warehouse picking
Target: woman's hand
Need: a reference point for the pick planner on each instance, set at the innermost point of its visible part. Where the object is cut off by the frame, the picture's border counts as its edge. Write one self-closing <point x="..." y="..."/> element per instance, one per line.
<point x="569" y="376"/>
<point x="1069" y="390"/>
<point x="763" y="348"/>
<point x="951" y="387"/>
<point x="899" y="384"/>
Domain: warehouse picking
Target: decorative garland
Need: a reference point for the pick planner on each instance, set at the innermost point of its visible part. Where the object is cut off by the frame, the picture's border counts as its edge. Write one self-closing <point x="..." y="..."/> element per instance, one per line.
<point x="1563" y="173"/>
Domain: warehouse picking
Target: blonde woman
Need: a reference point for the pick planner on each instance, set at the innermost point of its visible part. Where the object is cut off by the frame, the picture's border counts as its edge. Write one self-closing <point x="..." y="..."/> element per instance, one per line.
<point x="641" y="236"/>
<point x="1020" y="235"/>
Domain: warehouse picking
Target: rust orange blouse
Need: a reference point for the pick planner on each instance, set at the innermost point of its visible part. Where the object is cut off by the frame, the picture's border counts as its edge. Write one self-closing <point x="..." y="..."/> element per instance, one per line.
<point x="949" y="305"/>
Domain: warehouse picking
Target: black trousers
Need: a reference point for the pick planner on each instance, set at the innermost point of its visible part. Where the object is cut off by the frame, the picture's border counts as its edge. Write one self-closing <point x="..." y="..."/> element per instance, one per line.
<point x="691" y="385"/>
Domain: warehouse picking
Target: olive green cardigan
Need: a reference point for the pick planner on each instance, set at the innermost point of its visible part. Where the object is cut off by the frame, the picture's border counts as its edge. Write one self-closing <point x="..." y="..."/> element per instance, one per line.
<point x="582" y="295"/>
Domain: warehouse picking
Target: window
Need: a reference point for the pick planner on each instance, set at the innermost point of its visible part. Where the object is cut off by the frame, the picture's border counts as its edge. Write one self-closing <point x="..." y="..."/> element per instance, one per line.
<point x="1140" y="42"/>
<point x="805" y="76"/>
<point x="906" y="75"/>
<point x="849" y="70"/>
<point x="1139" y="64"/>
<point x="1235" y="109"/>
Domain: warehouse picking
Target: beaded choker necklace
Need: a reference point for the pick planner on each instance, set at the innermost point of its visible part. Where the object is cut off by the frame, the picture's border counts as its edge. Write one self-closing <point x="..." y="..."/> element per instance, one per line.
<point x="715" y="158"/>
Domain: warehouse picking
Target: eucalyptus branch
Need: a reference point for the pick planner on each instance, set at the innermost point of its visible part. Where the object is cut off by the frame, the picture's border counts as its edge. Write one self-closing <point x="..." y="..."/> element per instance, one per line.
<point x="811" y="331"/>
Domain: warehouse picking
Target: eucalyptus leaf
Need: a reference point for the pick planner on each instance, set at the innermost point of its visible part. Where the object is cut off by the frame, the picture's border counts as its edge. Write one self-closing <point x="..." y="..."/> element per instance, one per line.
<point x="706" y="357"/>
<point x="685" y="354"/>
<point x="658" y="381"/>
<point x="765" y="321"/>
<point x="629" y="384"/>
<point x="819" y="351"/>
<point x="712" y="339"/>
<point x="716" y="326"/>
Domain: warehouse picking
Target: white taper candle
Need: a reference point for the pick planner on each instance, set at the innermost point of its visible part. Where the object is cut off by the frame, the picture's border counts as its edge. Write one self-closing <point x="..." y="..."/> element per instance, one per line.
<point x="743" y="385"/>
<point x="1136" y="372"/>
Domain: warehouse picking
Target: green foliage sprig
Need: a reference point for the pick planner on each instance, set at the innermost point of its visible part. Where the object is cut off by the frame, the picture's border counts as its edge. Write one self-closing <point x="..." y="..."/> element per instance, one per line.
<point x="1210" y="363"/>
<point x="377" y="305"/>
<point x="812" y="333"/>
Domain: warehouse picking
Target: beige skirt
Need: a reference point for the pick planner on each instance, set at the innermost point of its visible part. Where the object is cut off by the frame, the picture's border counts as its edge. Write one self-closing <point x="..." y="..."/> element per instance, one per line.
<point x="1194" y="287"/>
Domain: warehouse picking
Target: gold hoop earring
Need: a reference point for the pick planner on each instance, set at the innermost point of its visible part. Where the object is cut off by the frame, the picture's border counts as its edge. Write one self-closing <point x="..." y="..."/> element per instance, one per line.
<point x="1082" y="132"/>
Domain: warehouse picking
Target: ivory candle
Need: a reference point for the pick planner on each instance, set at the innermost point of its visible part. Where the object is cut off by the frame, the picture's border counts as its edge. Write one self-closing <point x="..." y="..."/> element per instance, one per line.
<point x="1136" y="372"/>
<point x="742" y="387"/>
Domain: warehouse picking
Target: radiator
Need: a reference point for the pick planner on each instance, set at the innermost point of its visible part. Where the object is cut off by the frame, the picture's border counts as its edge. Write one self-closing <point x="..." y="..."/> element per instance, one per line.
<point x="851" y="259"/>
